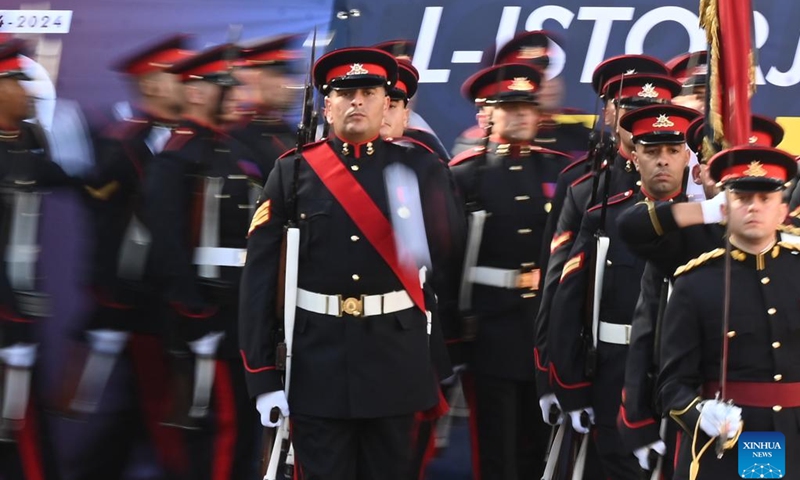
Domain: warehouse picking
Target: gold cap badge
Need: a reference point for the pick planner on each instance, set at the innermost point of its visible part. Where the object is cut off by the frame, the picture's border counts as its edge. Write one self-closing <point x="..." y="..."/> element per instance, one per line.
<point x="521" y="84"/>
<point x="663" y="121"/>
<point x="755" y="170"/>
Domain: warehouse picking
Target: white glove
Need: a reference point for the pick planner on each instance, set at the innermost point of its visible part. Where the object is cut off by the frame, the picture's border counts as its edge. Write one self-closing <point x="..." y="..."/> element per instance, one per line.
<point x="712" y="208"/>
<point x="718" y="417"/>
<point x="267" y="401"/>
<point x="643" y="453"/>
<point x="206" y="346"/>
<point x="111" y="342"/>
<point x="546" y="402"/>
<point x="21" y="355"/>
<point x="575" y="416"/>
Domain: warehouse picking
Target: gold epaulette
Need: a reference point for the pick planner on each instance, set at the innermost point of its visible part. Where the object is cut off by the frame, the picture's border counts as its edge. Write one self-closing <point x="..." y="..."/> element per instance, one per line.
<point x="789" y="229"/>
<point x="790" y="245"/>
<point x="696" y="262"/>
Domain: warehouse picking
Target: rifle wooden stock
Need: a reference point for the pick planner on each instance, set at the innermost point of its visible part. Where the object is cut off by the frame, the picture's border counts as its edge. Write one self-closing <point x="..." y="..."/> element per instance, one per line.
<point x="267" y="440"/>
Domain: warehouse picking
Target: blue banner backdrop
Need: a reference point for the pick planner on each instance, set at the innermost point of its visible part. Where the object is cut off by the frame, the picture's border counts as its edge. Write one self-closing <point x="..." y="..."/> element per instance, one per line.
<point x="452" y="35"/>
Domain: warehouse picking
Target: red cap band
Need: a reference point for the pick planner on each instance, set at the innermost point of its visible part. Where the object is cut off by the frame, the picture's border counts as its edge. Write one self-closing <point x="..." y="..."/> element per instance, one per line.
<point x="11" y="64"/>
<point x="158" y="61"/>
<point x="271" y="56"/>
<point x="660" y="123"/>
<point x="647" y="91"/>
<point x="356" y="69"/>
<point x="517" y="85"/>
<point x="755" y="169"/>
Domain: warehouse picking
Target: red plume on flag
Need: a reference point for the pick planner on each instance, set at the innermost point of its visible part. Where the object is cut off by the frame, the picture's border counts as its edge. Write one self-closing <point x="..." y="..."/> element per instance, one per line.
<point x="729" y="26"/>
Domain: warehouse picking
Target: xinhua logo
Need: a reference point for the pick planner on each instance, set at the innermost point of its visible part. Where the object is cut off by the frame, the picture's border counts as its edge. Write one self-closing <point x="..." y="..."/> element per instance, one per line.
<point x="762" y="455"/>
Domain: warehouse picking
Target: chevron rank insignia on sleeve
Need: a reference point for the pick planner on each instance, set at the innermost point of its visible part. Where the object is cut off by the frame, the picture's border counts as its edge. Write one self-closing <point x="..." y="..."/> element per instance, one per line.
<point x="260" y="218"/>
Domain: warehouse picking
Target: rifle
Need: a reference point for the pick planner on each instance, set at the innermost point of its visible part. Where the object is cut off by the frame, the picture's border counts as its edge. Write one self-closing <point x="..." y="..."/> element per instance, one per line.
<point x="277" y="445"/>
<point x="598" y="260"/>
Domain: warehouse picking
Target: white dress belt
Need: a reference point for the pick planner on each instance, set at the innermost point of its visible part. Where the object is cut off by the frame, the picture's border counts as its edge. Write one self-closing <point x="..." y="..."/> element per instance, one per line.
<point x="504" y="278"/>
<point x="615" y="333"/>
<point x="363" y="306"/>
<point x="220" y="256"/>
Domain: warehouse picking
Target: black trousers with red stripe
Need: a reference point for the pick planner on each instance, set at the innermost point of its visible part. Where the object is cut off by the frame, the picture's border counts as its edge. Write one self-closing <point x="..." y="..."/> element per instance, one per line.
<point x="131" y="413"/>
<point x="31" y="456"/>
<point x="352" y="449"/>
<point x="511" y="436"/>
<point x="225" y="448"/>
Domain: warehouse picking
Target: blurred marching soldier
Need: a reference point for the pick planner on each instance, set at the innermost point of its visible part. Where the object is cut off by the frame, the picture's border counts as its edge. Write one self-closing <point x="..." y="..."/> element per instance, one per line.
<point x="198" y="200"/>
<point x="581" y="184"/>
<point x="534" y="47"/>
<point x="26" y="172"/>
<point x="124" y="315"/>
<point x="270" y="63"/>
<point x="416" y="127"/>
<point x="362" y="354"/>
<point x="691" y="70"/>
<point x="757" y="345"/>
<point x="512" y="181"/>
<point x="593" y="305"/>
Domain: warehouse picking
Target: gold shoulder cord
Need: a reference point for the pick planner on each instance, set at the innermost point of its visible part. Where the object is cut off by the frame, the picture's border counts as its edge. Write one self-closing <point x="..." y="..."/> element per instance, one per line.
<point x="694" y="467"/>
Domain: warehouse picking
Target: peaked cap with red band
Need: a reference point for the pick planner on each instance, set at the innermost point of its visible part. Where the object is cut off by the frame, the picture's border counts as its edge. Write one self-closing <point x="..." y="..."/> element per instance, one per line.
<point x="155" y="57"/>
<point x="407" y="81"/>
<point x="527" y="47"/>
<point x="641" y="89"/>
<point x="355" y="68"/>
<point x="213" y="65"/>
<point x="508" y="82"/>
<point x="625" y="64"/>
<point x="690" y="69"/>
<point x="753" y="168"/>
<point x="400" y="49"/>
<point x="656" y="124"/>
<point x="763" y="131"/>
<point x="10" y="61"/>
<point x="275" y="51"/>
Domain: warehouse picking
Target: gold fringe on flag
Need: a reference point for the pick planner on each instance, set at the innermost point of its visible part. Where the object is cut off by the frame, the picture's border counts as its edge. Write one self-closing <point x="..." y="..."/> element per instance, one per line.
<point x="709" y="20"/>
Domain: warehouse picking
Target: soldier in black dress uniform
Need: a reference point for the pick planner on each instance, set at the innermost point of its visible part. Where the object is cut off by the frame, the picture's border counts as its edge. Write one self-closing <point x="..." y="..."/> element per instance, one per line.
<point x="199" y="196"/>
<point x="26" y="174"/>
<point x="588" y="365"/>
<point x="652" y="230"/>
<point x="124" y="315"/>
<point x="363" y="344"/>
<point x="577" y="184"/>
<point x="761" y="392"/>
<point x="513" y="181"/>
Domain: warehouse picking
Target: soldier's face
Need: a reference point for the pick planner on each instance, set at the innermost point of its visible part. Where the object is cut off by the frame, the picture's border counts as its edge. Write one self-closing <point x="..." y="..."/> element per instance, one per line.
<point x="661" y="167"/>
<point x="164" y="88"/>
<point x="624" y="136"/>
<point x="702" y="176"/>
<point x="484" y="115"/>
<point x="515" y="121"/>
<point x="15" y="106"/>
<point x="275" y="90"/>
<point x="609" y="113"/>
<point x="754" y="216"/>
<point x="396" y="119"/>
<point x="357" y="113"/>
